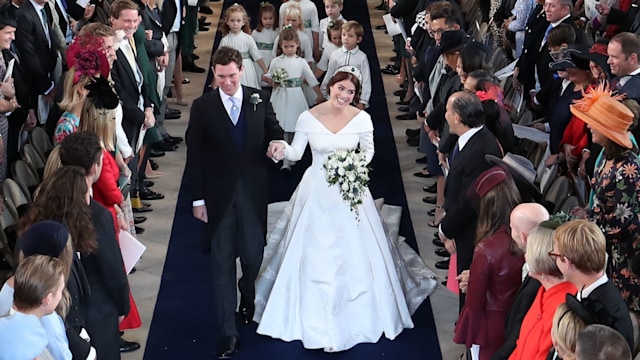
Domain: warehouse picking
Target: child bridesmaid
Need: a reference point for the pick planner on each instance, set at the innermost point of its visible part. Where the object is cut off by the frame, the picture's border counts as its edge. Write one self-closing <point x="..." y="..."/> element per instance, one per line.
<point x="265" y="35"/>
<point x="288" y="99"/>
<point x="235" y="29"/>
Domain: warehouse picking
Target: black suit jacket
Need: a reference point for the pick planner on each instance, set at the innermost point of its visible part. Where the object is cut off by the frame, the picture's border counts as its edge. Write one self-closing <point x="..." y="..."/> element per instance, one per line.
<point x="127" y="89"/>
<point x="524" y="298"/>
<point x="151" y="21"/>
<point x="544" y="59"/>
<point x="38" y="57"/>
<point x="460" y="222"/>
<point x="104" y="267"/>
<point x="214" y="165"/>
<point x="534" y="32"/>
<point x="609" y="296"/>
<point x="168" y="14"/>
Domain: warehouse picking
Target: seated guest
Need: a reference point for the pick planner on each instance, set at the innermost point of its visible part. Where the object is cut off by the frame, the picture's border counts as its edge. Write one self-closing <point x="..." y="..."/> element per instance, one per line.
<point x="582" y="260"/>
<point x="495" y="268"/>
<point x="38" y="285"/>
<point x="534" y="340"/>
<point x="566" y="326"/>
<point x="599" y="342"/>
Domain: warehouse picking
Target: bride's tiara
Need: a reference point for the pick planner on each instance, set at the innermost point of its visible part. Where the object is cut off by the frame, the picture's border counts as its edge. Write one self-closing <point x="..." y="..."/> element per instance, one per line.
<point x="350" y="69"/>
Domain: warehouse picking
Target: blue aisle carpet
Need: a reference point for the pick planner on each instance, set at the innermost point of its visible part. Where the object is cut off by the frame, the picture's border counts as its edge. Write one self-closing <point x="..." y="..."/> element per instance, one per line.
<point x="182" y="325"/>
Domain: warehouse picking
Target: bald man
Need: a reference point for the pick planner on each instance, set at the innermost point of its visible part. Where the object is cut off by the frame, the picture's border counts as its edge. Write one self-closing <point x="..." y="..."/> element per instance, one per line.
<point x="524" y="218"/>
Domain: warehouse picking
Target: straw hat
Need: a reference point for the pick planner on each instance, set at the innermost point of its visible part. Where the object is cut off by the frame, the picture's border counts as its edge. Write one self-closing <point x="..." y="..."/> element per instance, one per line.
<point x="606" y="114"/>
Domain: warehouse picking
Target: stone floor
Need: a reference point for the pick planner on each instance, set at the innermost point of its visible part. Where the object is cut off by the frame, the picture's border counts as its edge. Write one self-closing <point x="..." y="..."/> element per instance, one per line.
<point x="146" y="281"/>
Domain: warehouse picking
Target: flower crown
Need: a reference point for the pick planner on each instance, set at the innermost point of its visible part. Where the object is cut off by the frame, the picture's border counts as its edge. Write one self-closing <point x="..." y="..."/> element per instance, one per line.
<point x="350" y="69"/>
<point x="264" y="3"/>
<point x="288" y="26"/>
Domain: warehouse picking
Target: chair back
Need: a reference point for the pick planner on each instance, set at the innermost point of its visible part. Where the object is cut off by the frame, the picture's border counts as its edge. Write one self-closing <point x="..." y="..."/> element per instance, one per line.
<point x="25" y="177"/>
<point x="39" y="139"/>
<point x="31" y="156"/>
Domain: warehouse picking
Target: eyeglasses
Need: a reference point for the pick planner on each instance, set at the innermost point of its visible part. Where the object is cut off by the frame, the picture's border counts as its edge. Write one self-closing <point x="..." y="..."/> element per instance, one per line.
<point x="433" y="33"/>
<point x="554" y="256"/>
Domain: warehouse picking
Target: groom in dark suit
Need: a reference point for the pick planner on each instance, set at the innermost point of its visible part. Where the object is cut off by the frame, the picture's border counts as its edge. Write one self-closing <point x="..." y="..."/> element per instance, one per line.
<point x="228" y="134"/>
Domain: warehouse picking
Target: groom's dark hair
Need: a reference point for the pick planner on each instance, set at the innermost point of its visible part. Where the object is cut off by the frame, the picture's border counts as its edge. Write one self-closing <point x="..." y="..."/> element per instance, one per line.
<point x="225" y="56"/>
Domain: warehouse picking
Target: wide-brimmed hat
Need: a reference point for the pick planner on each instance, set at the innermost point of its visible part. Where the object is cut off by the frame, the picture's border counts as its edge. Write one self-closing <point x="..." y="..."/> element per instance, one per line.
<point x="605" y="114"/>
<point x="522" y="171"/>
<point x="566" y="60"/>
<point x="451" y="40"/>
<point x="597" y="53"/>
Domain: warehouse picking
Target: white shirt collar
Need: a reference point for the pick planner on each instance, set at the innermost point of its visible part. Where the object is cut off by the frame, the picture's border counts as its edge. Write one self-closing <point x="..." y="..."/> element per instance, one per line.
<point x="37" y="6"/>
<point x="554" y="24"/>
<point x="635" y="72"/>
<point x="352" y="51"/>
<point x="464" y="138"/>
<point x="589" y="289"/>
<point x="225" y="98"/>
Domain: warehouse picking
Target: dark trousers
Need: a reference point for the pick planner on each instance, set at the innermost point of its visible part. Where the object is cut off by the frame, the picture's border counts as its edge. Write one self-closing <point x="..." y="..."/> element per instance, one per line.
<point x="240" y="234"/>
<point x="133" y="166"/>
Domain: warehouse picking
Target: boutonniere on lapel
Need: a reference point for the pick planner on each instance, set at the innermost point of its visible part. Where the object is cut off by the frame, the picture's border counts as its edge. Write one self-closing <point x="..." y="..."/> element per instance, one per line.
<point x="255" y="100"/>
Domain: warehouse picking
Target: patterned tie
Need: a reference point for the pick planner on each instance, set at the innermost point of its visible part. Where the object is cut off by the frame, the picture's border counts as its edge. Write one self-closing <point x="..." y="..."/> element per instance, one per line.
<point x="235" y="109"/>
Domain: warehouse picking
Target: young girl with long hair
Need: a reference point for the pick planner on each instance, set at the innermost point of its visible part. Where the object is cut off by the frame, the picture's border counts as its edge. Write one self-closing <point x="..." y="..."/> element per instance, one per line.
<point x="235" y="29"/>
<point x="265" y="36"/>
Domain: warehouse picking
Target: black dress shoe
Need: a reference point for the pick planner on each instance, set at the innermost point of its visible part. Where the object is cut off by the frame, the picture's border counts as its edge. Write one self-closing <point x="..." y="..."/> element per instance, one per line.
<point x="165" y="146"/>
<point x="141" y="210"/>
<point x="155" y="153"/>
<point x="202" y="28"/>
<point x="402" y="102"/>
<point x="429" y="199"/>
<point x="148" y="183"/>
<point x="431" y="212"/>
<point x="171" y="115"/>
<point x="413" y="141"/>
<point x="437" y="242"/>
<point x="442" y="252"/>
<point x="422" y="160"/>
<point x="192" y="67"/>
<point x="175" y="140"/>
<point x="128" y="346"/>
<point x="139" y="219"/>
<point x="154" y="165"/>
<point x="228" y="346"/>
<point x="400" y="92"/>
<point x="205" y="10"/>
<point x="407" y="116"/>
<point x="390" y="71"/>
<point x="195" y="57"/>
<point x="139" y="230"/>
<point x="147" y="194"/>
<point x="403" y="109"/>
<point x="420" y="174"/>
<point x="246" y="310"/>
<point x="381" y="27"/>
<point x="382" y="6"/>
<point x="443" y="265"/>
<point x="430" y="189"/>
<point x="203" y="21"/>
<point x="393" y="58"/>
<point x="412" y="132"/>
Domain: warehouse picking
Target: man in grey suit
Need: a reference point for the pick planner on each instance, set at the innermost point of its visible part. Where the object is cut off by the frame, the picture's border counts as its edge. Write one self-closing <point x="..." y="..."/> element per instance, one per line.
<point x="226" y="170"/>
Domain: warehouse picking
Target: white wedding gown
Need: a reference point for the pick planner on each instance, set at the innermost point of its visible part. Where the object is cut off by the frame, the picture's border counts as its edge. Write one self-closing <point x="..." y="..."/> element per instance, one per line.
<point x="326" y="278"/>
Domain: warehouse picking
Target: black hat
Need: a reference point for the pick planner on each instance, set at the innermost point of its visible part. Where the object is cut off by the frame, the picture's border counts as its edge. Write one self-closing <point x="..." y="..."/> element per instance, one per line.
<point x="597" y="53"/>
<point x="103" y="95"/>
<point x="5" y="18"/>
<point x="44" y="238"/>
<point x="451" y="40"/>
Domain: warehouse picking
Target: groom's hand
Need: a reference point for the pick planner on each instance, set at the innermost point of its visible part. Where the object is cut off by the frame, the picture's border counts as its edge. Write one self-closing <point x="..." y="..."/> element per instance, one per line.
<point x="200" y="213"/>
<point x="276" y="150"/>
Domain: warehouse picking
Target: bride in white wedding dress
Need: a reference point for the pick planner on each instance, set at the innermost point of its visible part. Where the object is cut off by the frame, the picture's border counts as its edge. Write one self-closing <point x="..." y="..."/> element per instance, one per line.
<point x="328" y="279"/>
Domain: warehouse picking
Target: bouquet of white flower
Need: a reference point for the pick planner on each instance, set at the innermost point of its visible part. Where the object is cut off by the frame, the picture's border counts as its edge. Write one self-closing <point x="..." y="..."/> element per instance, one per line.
<point x="280" y="76"/>
<point x="348" y="169"/>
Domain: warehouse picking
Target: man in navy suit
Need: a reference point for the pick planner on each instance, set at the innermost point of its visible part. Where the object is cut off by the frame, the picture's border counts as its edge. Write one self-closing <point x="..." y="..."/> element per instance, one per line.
<point x="227" y="136"/>
<point x="623" y="51"/>
<point x="579" y="249"/>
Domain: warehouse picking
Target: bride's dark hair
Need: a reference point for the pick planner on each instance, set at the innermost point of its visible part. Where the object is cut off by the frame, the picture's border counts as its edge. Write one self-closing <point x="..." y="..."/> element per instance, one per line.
<point x="343" y="75"/>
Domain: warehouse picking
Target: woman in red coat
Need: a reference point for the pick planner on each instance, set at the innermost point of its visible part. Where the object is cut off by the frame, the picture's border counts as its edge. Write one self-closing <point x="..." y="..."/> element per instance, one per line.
<point x="534" y="340"/>
<point x="495" y="270"/>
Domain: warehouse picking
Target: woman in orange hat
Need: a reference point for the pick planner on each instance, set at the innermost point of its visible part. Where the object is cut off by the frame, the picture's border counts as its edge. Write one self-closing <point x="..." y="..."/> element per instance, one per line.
<point x="615" y="185"/>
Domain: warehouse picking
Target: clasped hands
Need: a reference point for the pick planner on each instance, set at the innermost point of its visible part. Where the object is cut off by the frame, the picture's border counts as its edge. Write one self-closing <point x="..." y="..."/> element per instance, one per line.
<point x="275" y="151"/>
